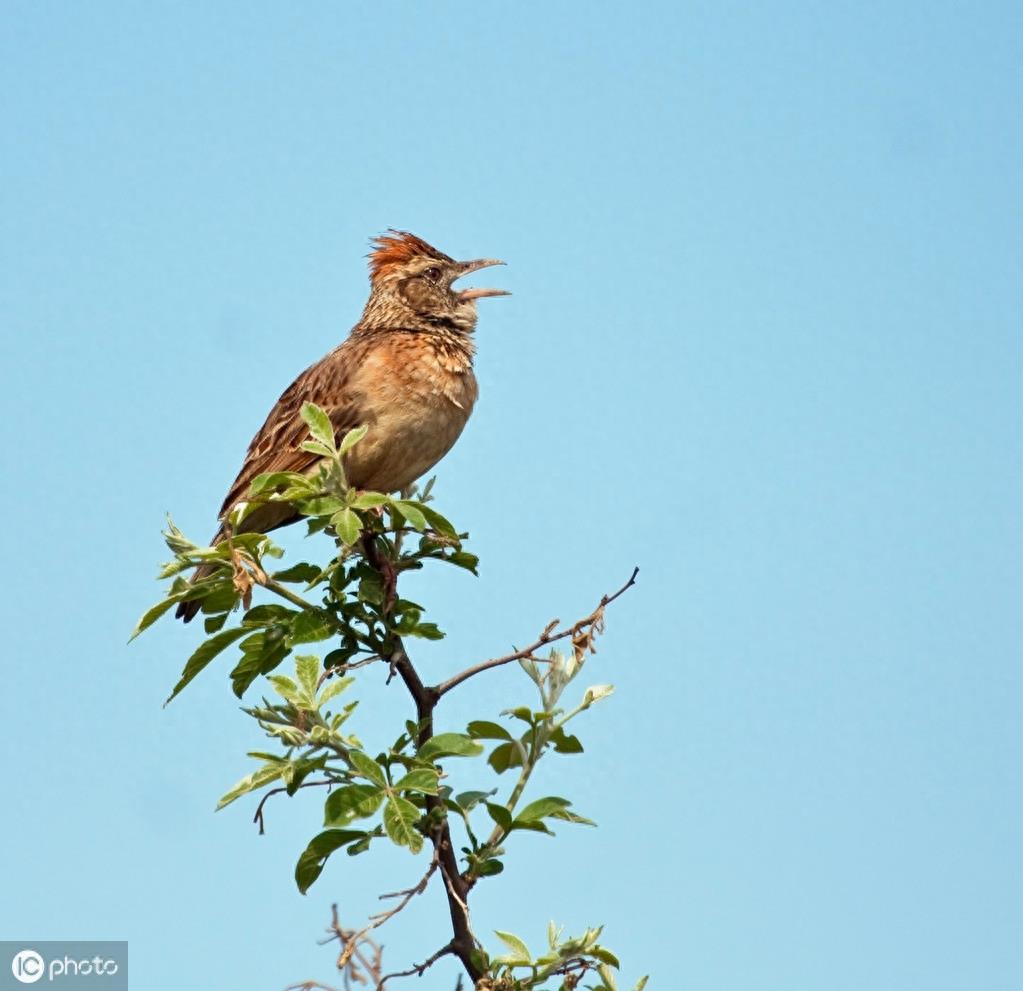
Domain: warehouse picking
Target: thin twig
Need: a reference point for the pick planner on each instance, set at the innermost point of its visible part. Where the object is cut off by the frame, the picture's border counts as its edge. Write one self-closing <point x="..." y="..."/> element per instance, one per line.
<point x="258" y="817"/>
<point x="349" y="966"/>
<point x="418" y="969"/>
<point x="381" y="917"/>
<point x="548" y="636"/>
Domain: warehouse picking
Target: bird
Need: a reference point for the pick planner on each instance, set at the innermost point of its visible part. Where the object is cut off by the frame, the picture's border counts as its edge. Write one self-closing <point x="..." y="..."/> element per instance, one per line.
<point x="405" y="372"/>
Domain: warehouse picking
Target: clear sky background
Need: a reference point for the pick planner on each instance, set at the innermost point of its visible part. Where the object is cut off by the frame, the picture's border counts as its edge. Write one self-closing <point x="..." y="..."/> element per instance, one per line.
<point x="765" y="342"/>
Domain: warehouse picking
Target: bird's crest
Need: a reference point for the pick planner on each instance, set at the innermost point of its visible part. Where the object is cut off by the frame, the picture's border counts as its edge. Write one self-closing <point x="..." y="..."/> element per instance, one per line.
<point x="395" y="248"/>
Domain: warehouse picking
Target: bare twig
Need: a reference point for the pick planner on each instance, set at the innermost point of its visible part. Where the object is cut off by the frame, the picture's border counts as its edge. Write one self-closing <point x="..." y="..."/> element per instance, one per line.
<point x="421" y="968"/>
<point x="350" y="967"/>
<point x="548" y="636"/>
<point x="353" y="940"/>
<point x="258" y="817"/>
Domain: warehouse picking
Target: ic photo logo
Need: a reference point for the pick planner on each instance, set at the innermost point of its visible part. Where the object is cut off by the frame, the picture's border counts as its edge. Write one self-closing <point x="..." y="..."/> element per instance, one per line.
<point x="96" y="965"/>
<point x="27" y="966"/>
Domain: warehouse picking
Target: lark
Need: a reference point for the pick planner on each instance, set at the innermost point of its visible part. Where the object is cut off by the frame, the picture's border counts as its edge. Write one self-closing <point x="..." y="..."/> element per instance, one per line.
<point x="405" y="372"/>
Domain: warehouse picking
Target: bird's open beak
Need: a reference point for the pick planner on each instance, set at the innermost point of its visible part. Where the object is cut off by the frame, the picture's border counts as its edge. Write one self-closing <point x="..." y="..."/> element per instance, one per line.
<point x="475" y="266"/>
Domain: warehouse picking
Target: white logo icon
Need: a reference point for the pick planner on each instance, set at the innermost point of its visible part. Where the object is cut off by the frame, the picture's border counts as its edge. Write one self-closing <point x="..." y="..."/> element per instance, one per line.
<point x="27" y="966"/>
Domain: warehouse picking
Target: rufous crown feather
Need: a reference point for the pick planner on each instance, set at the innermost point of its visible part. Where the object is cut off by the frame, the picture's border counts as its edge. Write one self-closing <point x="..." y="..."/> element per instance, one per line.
<point x="396" y="248"/>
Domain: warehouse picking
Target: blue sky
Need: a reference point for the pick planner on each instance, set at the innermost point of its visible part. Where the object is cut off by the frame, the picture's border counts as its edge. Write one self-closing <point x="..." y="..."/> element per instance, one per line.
<point x="764" y="342"/>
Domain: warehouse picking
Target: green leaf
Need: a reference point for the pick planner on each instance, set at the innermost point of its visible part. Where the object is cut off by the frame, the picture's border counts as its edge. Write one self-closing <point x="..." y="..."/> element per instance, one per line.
<point x="400" y="818"/>
<point x="500" y="815"/>
<point x="151" y="615"/>
<point x="371" y="589"/>
<point x="262" y="652"/>
<point x="204" y="654"/>
<point x="450" y="745"/>
<point x="315" y="855"/>
<point x="257" y="779"/>
<point x="412" y="513"/>
<point x="271" y="612"/>
<point x="370" y="500"/>
<point x="489" y="868"/>
<point x="422" y="779"/>
<point x="302" y="572"/>
<point x="321" y="505"/>
<point x="483" y="729"/>
<point x="467" y="800"/>
<point x="288" y="690"/>
<point x="595" y="693"/>
<point x="351" y="802"/>
<point x="426" y="631"/>
<point x="565" y="743"/>
<point x="351" y="438"/>
<point x="213" y="624"/>
<point x="532" y="826"/>
<point x="519" y="951"/>
<point x="641" y="983"/>
<point x="463" y="559"/>
<point x="333" y="688"/>
<point x="280" y="479"/>
<point x="437" y="522"/>
<point x="504" y="756"/>
<point x="367" y="767"/>
<point x="311" y="626"/>
<point x="319" y="425"/>
<point x="542" y="807"/>
<point x="604" y="956"/>
<point x="569" y="816"/>
<point x="296" y="771"/>
<point x="315" y="447"/>
<point x="348" y="526"/>
<point x="307" y="667"/>
<point x="361" y="846"/>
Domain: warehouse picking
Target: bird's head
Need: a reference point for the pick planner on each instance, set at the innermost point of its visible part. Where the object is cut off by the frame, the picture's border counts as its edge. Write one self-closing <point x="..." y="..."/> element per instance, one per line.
<point x="413" y="284"/>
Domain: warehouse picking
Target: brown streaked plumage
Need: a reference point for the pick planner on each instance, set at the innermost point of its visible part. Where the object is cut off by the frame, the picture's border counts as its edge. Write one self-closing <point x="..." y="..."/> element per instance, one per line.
<point x="405" y="372"/>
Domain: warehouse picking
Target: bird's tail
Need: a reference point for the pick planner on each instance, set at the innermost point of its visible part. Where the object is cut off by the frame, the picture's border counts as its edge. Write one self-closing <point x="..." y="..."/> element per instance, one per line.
<point x="189" y="609"/>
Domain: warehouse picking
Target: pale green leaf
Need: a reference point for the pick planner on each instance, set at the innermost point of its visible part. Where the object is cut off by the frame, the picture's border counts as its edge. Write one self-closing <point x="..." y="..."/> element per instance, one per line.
<point x="400" y="818"/>
<point x="422" y="779"/>
<point x="348" y="526"/>
<point x="151" y="615"/>
<point x="519" y="951"/>
<point x="595" y="693"/>
<point x="450" y="745"/>
<point x="412" y="513"/>
<point x="257" y="779"/>
<point x="333" y="688"/>
<point x="370" y="500"/>
<point x="319" y="425"/>
<point x="367" y="767"/>
<point x="351" y="802"/>
<point x="541" y="808"/>
<point x="352" y="438"/>
<point x="307" y="667"/>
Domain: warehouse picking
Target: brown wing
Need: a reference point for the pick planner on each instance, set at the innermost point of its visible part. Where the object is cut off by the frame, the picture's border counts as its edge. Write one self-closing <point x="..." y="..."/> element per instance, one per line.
<point x="278" y="444"/>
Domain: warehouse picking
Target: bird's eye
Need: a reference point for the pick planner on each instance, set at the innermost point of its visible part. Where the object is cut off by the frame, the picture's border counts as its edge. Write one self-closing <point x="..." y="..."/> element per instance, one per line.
<point x="433" y="274"/>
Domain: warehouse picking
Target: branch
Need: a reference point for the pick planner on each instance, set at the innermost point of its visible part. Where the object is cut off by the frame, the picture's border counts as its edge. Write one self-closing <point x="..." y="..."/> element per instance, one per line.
<point x="463" y="943"/>
<point x="258" y="817"/>
<point x="419" y="969"/>
<point x="548" y="636"/>
<point x="352" y="940"/>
